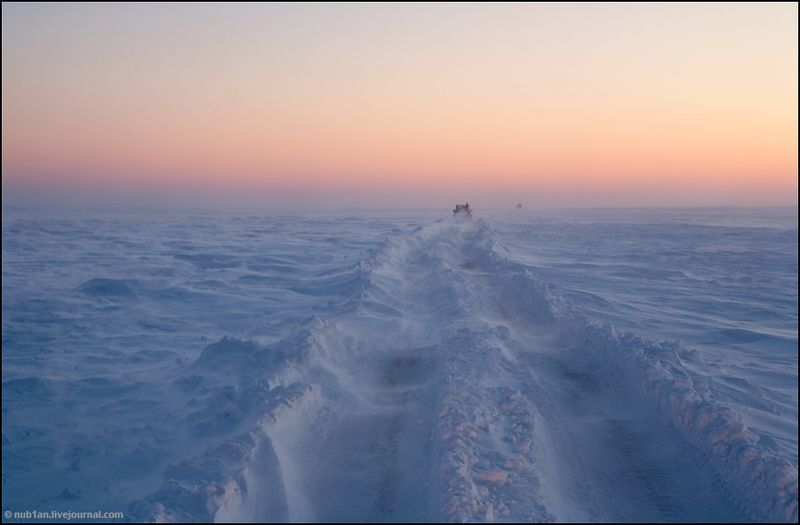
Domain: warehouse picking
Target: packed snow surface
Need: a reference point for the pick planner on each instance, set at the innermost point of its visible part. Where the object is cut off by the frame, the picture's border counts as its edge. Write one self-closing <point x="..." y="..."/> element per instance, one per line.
<point x="607" y="365"/>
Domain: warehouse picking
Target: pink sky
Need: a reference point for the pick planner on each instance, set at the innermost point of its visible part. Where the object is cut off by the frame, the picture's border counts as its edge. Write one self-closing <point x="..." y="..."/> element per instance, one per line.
<point x="558" y="105"/>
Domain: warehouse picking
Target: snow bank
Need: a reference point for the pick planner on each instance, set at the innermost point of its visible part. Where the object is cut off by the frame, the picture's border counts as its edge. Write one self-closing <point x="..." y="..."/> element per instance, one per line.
<point x="235" y="384"/>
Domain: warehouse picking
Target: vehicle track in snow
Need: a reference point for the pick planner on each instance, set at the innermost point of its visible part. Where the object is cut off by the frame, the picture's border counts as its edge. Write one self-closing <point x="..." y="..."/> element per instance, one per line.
<point x="448" y="393"/>
<point x="607" y="454"/>
<point x="617" y="458"/>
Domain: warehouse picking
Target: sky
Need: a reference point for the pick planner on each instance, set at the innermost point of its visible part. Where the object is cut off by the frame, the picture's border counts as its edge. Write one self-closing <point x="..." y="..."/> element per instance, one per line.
<point x="402" y="105"/>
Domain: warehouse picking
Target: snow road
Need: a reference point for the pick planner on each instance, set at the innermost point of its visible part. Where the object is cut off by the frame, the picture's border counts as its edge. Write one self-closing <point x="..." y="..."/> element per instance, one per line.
<point x="437" y="380"/>
<point x="447" y="389"/>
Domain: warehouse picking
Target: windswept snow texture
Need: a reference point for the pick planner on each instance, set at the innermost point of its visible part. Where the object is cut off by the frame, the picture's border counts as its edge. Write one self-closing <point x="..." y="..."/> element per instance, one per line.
<point x="623" y="365"/>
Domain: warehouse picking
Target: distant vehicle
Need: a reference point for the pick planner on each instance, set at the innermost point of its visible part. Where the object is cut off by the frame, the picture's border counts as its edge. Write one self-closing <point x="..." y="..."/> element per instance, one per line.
<point x="519" y="205"/>
<point x="462" y="210"/>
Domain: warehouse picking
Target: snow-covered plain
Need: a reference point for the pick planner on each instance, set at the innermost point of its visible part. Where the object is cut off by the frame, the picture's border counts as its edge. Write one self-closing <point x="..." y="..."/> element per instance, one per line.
<point x="617" y="365"/>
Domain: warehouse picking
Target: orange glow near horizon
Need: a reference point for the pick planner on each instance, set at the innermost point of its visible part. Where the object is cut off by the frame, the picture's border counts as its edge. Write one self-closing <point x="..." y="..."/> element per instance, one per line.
<point x="638" y="99"/>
